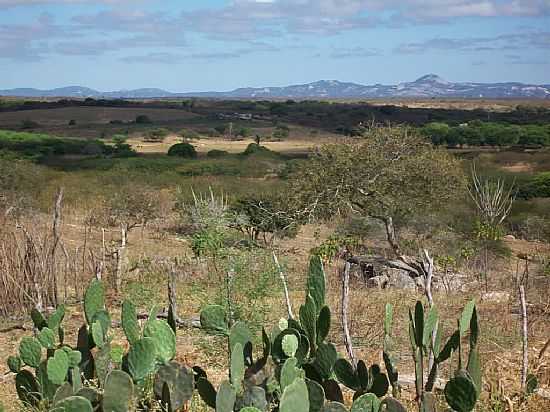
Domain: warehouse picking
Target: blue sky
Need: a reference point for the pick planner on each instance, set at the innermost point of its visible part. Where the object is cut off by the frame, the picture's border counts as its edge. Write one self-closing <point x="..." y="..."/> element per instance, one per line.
<point x="188" y="45"/>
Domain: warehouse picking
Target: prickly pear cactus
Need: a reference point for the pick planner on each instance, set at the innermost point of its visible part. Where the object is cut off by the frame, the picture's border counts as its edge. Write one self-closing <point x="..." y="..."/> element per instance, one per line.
<point x="180" y="383"/>
<point x="130" y="323"/>
<point x="226" y="397"/>
<point x="58" y="367"/>
<point x="94" y="300"/>
<point x="141" y="358"/>
<point x="368" y="402"/>
<point x="30" y="351"/>
<point x="214" y="319"/>
<point x="295" y="397"/>
<point x="164" y="339"/>
<point x="75" y="404"/>
<point x="118" y="392"/>
<point x="460" y="393"/>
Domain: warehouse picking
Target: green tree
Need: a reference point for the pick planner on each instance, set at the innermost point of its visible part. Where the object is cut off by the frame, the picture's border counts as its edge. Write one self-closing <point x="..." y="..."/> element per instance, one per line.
<point x="392" y="173"/>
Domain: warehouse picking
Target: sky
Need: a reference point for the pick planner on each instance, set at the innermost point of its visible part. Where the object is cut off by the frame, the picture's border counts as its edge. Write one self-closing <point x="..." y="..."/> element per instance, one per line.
<point x="204" y="45"/>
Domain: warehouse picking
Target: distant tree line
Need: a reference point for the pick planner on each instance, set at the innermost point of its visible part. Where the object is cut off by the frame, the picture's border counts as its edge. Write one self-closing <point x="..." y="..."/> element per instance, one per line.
<point x="478" y="133"/>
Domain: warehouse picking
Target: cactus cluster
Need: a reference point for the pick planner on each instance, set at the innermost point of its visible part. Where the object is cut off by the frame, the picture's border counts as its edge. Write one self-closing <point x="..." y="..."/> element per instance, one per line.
<point x="298" y="369"/>
<point x="462" y="391"/>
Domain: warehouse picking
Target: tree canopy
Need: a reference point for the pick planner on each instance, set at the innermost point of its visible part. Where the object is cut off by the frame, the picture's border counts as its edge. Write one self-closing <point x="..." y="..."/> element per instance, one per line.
<point x="390" y="172"/>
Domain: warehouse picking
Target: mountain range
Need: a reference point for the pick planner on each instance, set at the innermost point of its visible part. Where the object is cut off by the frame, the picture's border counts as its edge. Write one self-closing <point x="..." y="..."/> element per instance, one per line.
<point x="427" y="86"/>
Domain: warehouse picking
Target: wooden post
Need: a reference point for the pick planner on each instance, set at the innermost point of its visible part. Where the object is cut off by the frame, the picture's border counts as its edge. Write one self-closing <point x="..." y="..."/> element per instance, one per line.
<point x="345" y="302"/>
<point x="524" y="334"/>
<point x="285" y="287"/>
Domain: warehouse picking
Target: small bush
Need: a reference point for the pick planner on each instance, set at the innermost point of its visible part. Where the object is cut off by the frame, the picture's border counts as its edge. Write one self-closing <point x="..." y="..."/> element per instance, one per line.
<point x="217" y="153"/>
<point x="29" y="124"/>
<point x="72" y="122"/>
<point x="183" y="150"/>
<point x="143" y="119"/>
<point x="254" y="148"/>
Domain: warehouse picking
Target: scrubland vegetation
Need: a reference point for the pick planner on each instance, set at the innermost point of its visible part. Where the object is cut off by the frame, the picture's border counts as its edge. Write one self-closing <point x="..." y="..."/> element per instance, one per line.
<point x="381" y="268"/>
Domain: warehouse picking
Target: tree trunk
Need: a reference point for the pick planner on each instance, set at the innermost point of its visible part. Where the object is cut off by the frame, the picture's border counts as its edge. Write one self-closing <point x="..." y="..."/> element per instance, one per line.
<point x="524" y="334"/>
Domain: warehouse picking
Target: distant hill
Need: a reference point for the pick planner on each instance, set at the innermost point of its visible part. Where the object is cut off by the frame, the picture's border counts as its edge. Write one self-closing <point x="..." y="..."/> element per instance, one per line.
<point x="427" y="86"/>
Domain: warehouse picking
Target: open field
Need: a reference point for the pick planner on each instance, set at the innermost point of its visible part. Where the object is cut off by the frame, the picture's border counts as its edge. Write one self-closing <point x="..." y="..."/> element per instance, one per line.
<point x="136" y="215"/>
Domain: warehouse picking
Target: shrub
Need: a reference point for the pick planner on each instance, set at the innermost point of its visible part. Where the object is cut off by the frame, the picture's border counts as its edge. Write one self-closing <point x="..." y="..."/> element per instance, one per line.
<point x="217" y="153"/>
<point x="156" y="135"/>
<point x="183" y="150"/>
<point x="143" y="119"/>
<point x="72" y="122"/>
<point x="254" y="148"/>
<point x="29" y="124"/>
<point x="537" y="186"/>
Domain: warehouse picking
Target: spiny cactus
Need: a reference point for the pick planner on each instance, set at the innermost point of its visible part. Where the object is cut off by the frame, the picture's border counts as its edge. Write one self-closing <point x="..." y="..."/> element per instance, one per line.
<point x="295" y="397"/>
<point x="130" y="323"/>
<point x="58" y="367"/>
<point x="163" y="338"/>
<point x="179" y="382"/>
<point x="141" y="359"/>
<point x="118" y="392"/>
<point x="225" y="398"/>
<point x="30" y="351"/>
<point x="94" y="300"/>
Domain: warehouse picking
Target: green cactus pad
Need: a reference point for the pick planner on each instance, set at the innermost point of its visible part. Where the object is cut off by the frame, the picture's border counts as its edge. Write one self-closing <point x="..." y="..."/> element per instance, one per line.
<point x="102" y="362"/>
<point x="465" y="317"/>
<point x="46" y="337"/>
<point x="295" y="397"/>
<point x="289" y="373"/>
<point x="225" y="398"/>
<point x="92" y="395"/>
<point x="474" y="370"/>
<point x="103" y="317"/>
<point x="388" y="319"/>
<point x="63" y="392"/>
<point x="334" y="407"/>
<point x="27" y="388"/>
<point x="253" y="397"/>
<point x="180" y="383"/>
<point x="14" y="364"/>
<point x="316" y="283"/>
<point x="429" y="325"/>
<point x="308" y="319"/>
<point x="75" y="404"/>
<point x="118" y="392"/>
<point x="346" y="374"/>
<point x="237" y="368"/>
<point x="130" y="323"/>
<point x="460" y="393"/>
<point x="38" y="319"/>
<point x="250" y="409"/>
<point x="97" y="334"/>
<point x="316" y="395"/>
<point x="164" y="338"/>
<point x="75" y="357"/>
<point x="94" y="300"/>
<point x="141" y="358"/>
<point x="323" y="324"/>
<point x="289" y="345"/>
<point x="213" y="319"/>
<point x="239" y="333"/>
<point x="392" y="405"/>
<point x="325" y="358"/>
<point x="55" y="319"/>
<point x="30" y="351"/>
<point x="368" y="402"/>
<point x="58" y="367"/>
<point x="379" y="385"/>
